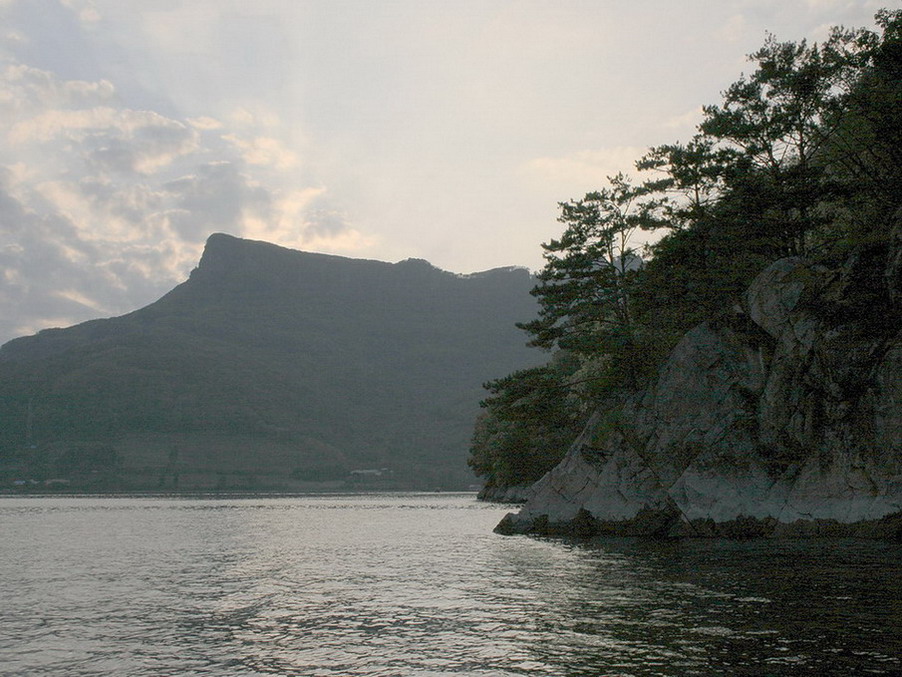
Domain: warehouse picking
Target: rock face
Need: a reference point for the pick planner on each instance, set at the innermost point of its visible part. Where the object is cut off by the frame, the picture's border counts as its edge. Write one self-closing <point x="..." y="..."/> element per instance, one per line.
<point x="783" y="418"/>
<point x="515" y="494"/>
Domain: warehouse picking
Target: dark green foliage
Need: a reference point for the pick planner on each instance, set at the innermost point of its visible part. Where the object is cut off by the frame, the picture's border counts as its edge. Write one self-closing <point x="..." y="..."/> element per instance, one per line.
<point x="587" y="286"/>
<point x="803" y="157"/>
<point x="529" y="421"/>
<point x="689" y="178"/>
<point x="279" y="364"/>
<point x="87" y="459"/>
<point x="790" y="163"/>
<point x="865" y="151"/>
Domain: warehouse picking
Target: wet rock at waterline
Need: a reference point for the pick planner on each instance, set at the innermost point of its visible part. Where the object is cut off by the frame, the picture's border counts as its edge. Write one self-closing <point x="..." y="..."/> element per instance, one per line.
<point x="783" y="418"/>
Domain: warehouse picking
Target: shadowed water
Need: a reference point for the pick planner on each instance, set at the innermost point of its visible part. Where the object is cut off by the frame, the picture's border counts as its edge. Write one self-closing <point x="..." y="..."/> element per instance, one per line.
<point x="418" y="584"/>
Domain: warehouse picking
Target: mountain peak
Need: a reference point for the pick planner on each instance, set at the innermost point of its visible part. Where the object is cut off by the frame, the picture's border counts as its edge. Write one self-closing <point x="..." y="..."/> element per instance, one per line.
<point x="222" y="251"/>
<point x="274" y="364"/>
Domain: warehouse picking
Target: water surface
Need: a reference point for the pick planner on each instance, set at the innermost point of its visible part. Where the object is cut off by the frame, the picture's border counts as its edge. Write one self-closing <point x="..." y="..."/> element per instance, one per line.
<point x="417" y="584"/>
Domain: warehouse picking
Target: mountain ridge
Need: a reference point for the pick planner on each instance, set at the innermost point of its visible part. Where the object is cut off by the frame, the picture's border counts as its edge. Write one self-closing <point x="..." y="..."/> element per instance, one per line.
<point x="338" y="363"/>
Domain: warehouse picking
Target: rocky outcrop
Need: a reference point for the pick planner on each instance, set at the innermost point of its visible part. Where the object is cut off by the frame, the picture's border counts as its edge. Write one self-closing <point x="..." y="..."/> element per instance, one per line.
<point x="782" y="418"/>
<point x="518" y="493"/>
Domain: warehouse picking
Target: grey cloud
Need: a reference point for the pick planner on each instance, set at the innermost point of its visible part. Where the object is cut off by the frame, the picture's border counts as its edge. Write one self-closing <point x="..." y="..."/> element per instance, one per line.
<point x="24" y="85"/>
<point x="37" y="266"/>
<point x="130" y="202"/>
<point x="119" y="236"/>
<point x="45" y="109"/>
<point x="217" y="197"/>
<point x="113" y="155"/>
<point x="50" y="275"/>
<point x="142" y="152"/>
<point x="108" y="139"/>
<point x="93" y="221"/>
<point x="324" y="223"/>
<point x="56" y="40"/>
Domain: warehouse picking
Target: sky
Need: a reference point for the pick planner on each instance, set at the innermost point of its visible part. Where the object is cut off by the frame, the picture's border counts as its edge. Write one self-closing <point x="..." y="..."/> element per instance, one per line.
<point x="380" y="129"/>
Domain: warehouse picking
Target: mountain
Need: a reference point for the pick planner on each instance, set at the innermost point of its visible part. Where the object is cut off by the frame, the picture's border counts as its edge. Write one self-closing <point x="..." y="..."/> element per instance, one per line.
<point x="268" y="368"/>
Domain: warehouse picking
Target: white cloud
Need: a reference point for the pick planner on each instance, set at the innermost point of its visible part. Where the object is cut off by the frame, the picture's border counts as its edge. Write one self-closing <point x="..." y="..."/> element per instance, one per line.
<point x="346" y="242"/>
<point x="24" y="89"/>
<point x="85" y="10"/>
<point x="264" y="150"/>
<point x="79" y="298"/>
<point x="217" y="197"/>
<point x="125" y="211"/>
<point x="104" y="207"/>
<point x="131" y="129"/>
<point x="205" y="123"/>
<point x="14" y="37"/>
<point x="50" y="270"/>
<point x="57" y="272"/>
<point x="114" y="139"/>
<point x="583" y="171"/>
<point x="289" y="222"/>
<point x="256" y="118"/>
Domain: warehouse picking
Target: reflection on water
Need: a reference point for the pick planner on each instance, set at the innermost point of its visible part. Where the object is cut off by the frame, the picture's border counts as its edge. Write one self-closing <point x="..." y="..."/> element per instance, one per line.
<point x="722" y="607"/>
<point x="418" y="585"/>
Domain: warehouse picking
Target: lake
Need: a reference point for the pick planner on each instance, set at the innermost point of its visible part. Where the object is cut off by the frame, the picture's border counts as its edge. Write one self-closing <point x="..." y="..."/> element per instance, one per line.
<point x="417" y="584"/>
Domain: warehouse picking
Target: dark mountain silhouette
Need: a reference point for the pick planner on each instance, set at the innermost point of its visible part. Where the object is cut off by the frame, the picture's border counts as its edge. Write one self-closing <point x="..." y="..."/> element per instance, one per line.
<point x="268" y="368"/>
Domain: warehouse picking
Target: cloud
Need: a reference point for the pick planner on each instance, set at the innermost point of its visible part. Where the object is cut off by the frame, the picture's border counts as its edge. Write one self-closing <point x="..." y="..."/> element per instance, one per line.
<point x="264" y="150"/>
<point x="583" y="171"/>
<point x="245" y="118"/>
<point x="24" y="89"/>
<point x="53" y="276"/>
<point x="80" y="299"/>
<point x="289" y="220"/>
<point x="205" y="123"/>
<point x="81" y="121"/>
<point x="105" y="207"/>
<point x="86" y="10"/>
<point x="117" y="140"/>
<point x="101" y="210"/>
<point x="217" y="197"/>
<point x="303" y="219"/>
<point x="343" y="242"/>
<point x="50" y="274"/>
<point x="325" y="223"/>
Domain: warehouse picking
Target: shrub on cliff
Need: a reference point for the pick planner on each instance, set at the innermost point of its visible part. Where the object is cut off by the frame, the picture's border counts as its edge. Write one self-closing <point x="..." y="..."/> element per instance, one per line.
<point x="802" y="157"/>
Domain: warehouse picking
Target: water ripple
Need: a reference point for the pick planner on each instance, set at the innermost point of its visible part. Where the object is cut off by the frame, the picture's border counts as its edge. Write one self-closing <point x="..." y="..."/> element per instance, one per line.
<point x="418" y="585"/>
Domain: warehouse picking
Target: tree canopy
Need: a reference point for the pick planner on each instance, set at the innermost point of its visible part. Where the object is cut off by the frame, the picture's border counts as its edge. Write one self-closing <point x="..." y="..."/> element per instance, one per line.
<point x="802" y="157"/>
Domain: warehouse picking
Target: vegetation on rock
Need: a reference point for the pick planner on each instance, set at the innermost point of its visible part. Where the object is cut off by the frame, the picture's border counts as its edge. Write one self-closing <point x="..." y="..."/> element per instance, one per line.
<point x="803" y="157"/>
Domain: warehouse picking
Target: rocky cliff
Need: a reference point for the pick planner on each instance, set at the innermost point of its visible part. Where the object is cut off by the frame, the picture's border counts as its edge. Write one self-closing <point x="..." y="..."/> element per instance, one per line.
<point x="783" y="417"/>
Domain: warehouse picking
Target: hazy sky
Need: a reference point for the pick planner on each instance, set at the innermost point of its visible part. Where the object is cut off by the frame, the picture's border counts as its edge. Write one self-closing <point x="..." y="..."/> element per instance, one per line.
<point x="132" y="129"/>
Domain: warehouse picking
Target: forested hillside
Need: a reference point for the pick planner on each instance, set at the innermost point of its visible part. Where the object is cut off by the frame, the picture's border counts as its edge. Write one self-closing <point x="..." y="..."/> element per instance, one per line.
<point x="801" y="158"/>
<point x="268" y="368"/>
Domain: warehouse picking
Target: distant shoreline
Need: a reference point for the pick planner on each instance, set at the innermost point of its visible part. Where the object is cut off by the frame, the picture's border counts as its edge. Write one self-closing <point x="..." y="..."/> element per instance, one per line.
<point x="230" y="494"/>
